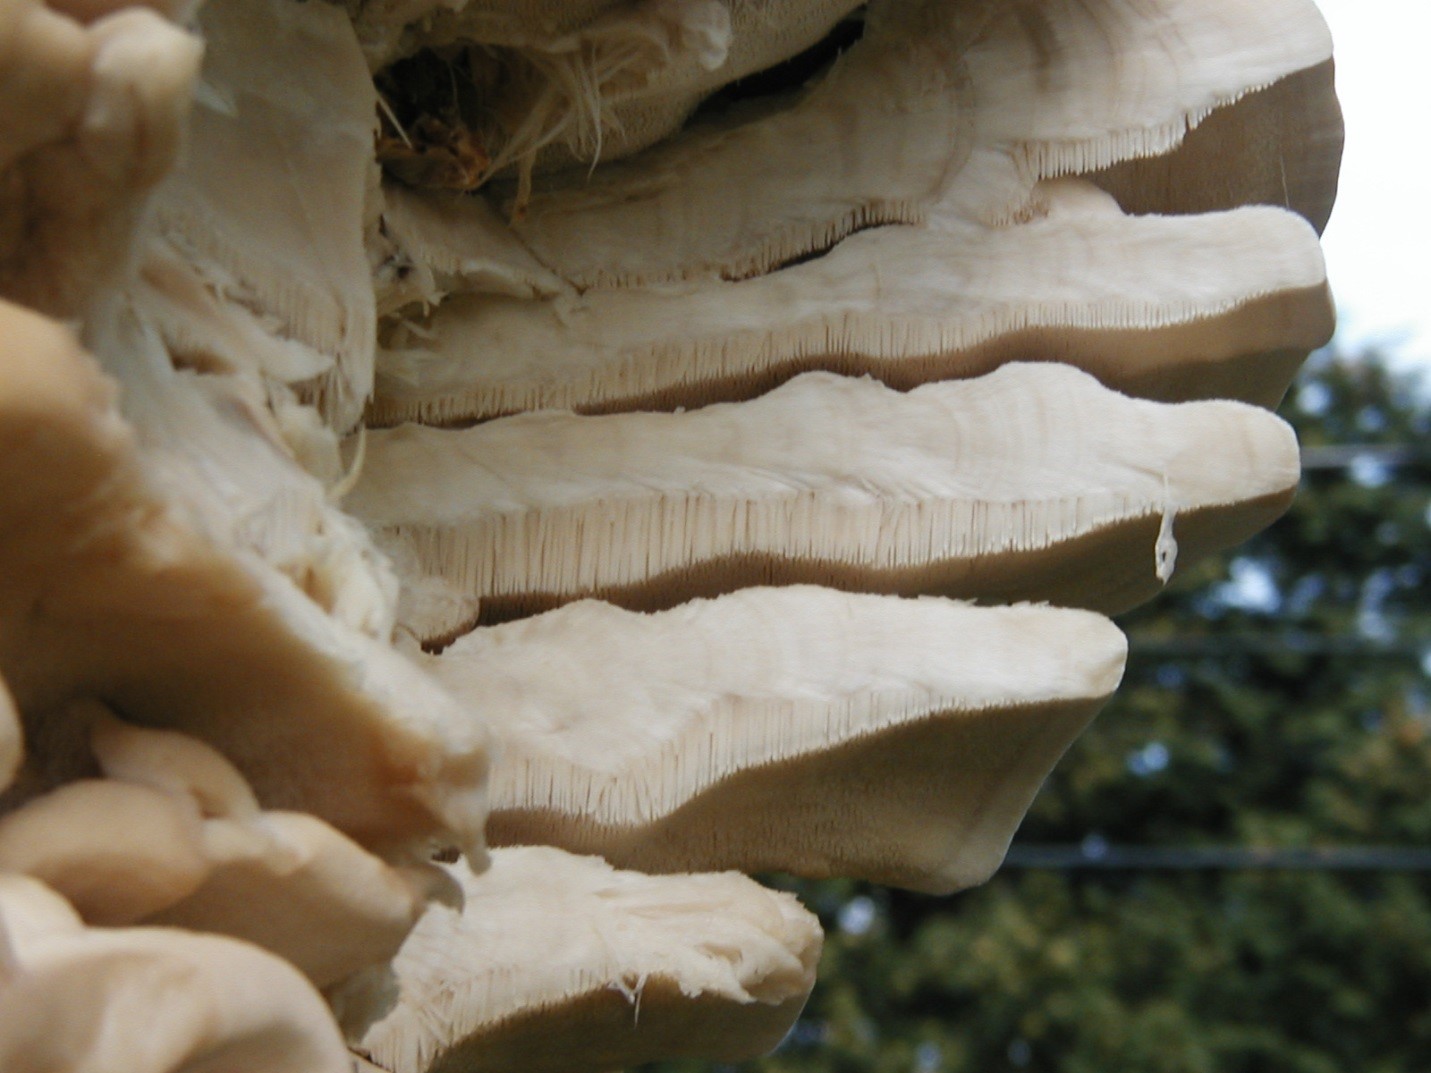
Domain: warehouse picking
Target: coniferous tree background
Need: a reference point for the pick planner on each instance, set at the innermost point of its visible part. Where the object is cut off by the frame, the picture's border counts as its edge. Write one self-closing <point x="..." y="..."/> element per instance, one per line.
<point x="1278" y="697"/>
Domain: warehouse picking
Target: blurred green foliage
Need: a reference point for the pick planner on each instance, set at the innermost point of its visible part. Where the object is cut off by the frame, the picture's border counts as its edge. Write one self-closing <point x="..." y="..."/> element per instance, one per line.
<point x="1276" y="697"/>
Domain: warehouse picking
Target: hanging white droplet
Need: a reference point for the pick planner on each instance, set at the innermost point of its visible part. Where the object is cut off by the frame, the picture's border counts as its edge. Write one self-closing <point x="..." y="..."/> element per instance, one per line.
<point x="1165" y="550"/>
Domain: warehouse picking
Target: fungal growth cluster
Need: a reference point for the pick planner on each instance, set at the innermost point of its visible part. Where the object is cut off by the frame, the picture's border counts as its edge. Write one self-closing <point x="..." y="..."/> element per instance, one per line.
<point x="476" y="477"/>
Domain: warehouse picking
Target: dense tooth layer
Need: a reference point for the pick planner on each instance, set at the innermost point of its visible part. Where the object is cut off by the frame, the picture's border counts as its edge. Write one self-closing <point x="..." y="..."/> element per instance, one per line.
<point x="1069" y="87"/>
<point x="797" y="730"/>
<point x="1031" y="483"/>
<point x="560" y="964"/>
<point x="107" y="592"/>
<point x="1177" y="307"/>
<point x="148" y="1000"/>
<point x="1278" y="146"/>
<point x="269" y="199"/>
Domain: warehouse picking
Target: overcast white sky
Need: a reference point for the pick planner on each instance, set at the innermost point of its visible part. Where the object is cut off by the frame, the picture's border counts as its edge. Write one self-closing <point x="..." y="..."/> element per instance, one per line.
<point x="1378" y="244"/>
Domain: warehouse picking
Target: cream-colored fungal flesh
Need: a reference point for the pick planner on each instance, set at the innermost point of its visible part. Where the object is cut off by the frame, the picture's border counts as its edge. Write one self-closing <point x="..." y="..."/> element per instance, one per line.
<point x="1033" y="482"/>
<point x="874" y="309"/>
<point x="342" y="909"/>
<point x="284" y="97"/>
<point x="461" y="244"/>
<point x="108" y="593"/>
<point x="284" y="881"/>
<point x="561" y="964"/>
<point x="92" y="122"/>
<point x="791" y="709"/>
<point x="582" y="90"/>
<point x="924" y="300"/>
<point x="148" y="1000"/>
<point x="1280" y="145"/>
<point x="1163" y="307"/>
<point x="12" y="742"/>
<point x="1054" y="88"/>
<point x="172" y="762"/>
<point x="117" y="852"/>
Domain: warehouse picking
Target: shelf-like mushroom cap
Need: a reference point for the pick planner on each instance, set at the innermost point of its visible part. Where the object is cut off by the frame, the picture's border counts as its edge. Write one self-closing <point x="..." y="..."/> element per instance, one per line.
<point x="1031" y="483"/>
<point x="797" y="730"/>
<point x="106" y="591"/>
<point x="148" y="1000"/>
<point x="561" y="964"/>
<point x="1055" y="88"/>
<point x="680" y="294"/>
<point x="1172" y="308"/>
<point x="581" y="84"/>
<point x="1279" y="145"/>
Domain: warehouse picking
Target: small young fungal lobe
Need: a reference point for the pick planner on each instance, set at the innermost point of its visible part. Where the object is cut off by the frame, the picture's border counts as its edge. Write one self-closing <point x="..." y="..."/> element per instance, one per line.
<point x="929" y="299"/>
<point x="148" y="1000"/>
<point x="173" y="835"/>
<point x="12" y="743"/>
<point x="343" y="909"/>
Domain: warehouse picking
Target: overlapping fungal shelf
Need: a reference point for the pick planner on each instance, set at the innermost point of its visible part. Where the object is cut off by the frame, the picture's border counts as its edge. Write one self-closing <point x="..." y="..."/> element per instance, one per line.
<point x="852" y="734"/>
<point x="1029" y="483"/>
<point x="658" y="439"/>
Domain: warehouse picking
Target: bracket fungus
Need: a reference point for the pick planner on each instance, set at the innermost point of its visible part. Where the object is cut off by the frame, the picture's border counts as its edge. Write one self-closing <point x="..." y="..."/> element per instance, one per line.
<point x="853" y="735"/>
<point x="557" y="962"/>
<point x="698" y="434"/>
<point x="1029" y="483"/>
